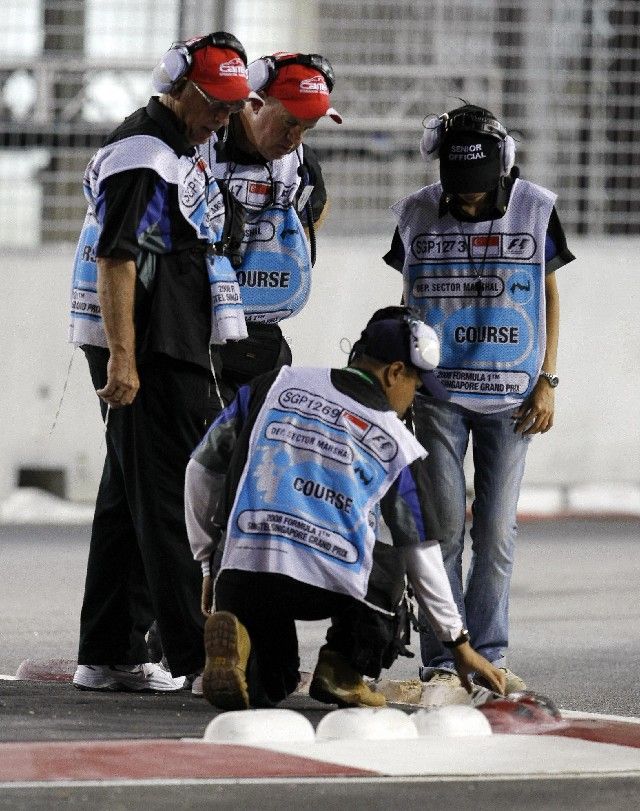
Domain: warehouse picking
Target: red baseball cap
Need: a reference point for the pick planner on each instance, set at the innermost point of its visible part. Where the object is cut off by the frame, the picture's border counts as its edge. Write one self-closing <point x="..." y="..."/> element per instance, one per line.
<point x="303" y="91"/>
<point x="221" y="73"/>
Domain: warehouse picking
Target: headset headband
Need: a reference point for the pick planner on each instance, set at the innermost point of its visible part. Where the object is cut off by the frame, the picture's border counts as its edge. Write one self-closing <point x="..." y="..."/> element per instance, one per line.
<point x="473" y="121"/>
<point x="219" y="39"/>
<point x="314" y="61"/>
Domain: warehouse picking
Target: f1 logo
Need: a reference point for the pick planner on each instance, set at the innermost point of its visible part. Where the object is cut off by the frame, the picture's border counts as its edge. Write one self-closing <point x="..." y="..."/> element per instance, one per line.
<point x="518" y="244"/>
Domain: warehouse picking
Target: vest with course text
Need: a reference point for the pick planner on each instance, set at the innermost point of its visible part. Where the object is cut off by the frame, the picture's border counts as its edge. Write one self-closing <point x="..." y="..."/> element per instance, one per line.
<point x="201" y="205"/>
<point x="481" y="287"/>
<point x="275" y="274"/>
<point x="318" y="464"/>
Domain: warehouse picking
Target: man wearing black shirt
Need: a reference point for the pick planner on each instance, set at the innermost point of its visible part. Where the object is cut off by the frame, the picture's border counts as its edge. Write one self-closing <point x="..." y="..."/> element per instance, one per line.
<point x="147" y="297"/>
<point x="478" y="253"/>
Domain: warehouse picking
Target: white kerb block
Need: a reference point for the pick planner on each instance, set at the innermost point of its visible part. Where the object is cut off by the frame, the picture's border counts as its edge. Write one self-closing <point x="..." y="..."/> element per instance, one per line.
<point x="259" y="727"/>
<point x="452" y="720"/>
<point x="366" y="723"/>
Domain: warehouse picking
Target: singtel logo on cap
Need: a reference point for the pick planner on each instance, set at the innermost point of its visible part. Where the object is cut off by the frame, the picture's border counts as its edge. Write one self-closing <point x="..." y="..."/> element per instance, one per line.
<point x="315" y="84"/>
<point x="234" y="67"/>
<point x="466" y="152"/>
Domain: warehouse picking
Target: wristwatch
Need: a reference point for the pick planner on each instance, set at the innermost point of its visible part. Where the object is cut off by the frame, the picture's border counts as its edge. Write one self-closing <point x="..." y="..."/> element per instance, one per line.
<point x="460" y="640"/>
<point x="551" y="378"/>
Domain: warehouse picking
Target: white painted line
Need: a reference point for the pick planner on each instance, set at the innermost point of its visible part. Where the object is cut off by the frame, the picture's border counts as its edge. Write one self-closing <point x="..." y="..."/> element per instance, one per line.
<point x="310" y="781"/>
<point x="9" y="678"/>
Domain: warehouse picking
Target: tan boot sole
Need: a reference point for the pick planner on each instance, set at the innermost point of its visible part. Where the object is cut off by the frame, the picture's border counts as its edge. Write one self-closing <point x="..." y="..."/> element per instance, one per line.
<point x="224" y="681"/>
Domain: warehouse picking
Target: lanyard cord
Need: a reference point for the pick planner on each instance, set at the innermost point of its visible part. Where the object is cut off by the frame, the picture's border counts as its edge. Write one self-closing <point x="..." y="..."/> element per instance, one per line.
<point x="478" y="275"/>
<point x="304" y="174"/>
<point x="251" y="211"/>
<point x="360" y="373"/>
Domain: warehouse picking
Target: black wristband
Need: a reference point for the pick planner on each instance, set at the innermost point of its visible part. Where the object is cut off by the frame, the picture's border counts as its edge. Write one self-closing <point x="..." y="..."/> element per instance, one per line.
<point x="455" y="643"/>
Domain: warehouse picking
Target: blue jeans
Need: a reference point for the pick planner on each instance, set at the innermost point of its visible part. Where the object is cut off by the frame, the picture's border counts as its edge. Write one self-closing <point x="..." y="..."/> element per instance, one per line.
<point x="498" y="458"/>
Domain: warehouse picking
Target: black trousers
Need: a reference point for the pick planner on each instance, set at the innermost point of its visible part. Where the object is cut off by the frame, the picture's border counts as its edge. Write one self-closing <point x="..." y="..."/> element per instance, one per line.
<point x="140" y="565"/>
<point x="268" y="605"/>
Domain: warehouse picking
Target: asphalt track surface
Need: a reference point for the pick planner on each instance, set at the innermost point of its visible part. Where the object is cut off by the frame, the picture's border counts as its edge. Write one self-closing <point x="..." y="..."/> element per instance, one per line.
<point x="575" y="636"/>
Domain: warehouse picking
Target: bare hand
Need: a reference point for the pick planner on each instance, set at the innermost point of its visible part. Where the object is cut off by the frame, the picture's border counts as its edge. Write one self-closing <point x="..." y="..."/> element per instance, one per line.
<point x="122" y="381"/>
<point x="535" y="415"/>
<point x="469" y="661"/>
<point x="206" y="601"/>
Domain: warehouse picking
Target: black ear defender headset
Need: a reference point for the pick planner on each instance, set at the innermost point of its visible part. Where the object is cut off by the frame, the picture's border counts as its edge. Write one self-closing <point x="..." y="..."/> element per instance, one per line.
<point x="467" y="119"/>
<point x="177" y="61"/>
<point x="263" y="71"/>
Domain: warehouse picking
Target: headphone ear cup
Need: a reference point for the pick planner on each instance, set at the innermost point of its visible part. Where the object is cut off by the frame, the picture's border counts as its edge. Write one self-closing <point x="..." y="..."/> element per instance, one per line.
<point x="172" y="67"/>
<point x="431" y="138"/>
<point x="259" y="74"/>
<point x="508" y="155"/>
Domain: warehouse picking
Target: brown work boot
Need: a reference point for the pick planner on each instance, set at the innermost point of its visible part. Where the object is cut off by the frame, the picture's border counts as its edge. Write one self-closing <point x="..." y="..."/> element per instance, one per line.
<point x="224" y="680"/>
<point x="336" y="682"/>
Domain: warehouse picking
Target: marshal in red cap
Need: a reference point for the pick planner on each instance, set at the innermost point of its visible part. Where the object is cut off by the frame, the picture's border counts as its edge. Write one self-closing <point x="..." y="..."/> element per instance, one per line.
<point x="303" y="90"/>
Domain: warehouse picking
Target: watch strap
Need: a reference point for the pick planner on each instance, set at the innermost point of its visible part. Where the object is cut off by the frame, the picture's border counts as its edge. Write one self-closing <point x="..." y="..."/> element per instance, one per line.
<point x="551" y="378"/>
<point x="460" y="640"/>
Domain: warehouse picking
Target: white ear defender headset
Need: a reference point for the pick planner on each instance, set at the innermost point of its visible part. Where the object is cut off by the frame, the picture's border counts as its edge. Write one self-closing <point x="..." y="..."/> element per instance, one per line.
<point x="263" y="71"/>
<point x="177" y="61"/>
<point x="467" y="119"/>
<point x="424" y="344"/>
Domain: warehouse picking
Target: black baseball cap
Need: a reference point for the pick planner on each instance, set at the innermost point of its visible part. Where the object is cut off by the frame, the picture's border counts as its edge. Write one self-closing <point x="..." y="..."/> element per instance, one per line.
<point x="403" y="337"/>
<point x="470" y="162"/>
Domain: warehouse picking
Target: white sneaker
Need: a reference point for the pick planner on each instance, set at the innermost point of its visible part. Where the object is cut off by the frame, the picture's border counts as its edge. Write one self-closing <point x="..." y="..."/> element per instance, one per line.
<point x="94" y="677"/>
<point x="514" y="683"/>
<point x="145" y="678"/>
<point x="196" y="687"/>
<point x="405" y="691"/>
<point x="443" y="687"/>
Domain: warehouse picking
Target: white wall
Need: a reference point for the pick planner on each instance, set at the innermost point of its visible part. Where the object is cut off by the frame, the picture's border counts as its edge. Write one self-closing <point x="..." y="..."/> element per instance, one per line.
<point x="596" y="437"/>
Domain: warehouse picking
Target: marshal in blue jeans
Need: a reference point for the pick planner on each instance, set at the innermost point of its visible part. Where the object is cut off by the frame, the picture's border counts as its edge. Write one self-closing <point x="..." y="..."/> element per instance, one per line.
<point x="498" y="459"/>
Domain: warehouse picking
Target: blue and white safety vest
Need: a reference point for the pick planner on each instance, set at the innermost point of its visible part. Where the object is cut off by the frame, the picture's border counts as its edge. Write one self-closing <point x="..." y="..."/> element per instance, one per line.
<point x="318" y="464"/>
<point x="201" y="205"/>
<point x="275" y="274"/>
<point x="481" y="287"/>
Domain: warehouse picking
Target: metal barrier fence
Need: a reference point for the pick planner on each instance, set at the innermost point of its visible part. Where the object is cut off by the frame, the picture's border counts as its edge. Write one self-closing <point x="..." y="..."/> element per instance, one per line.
<point x="562" y="74"/>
